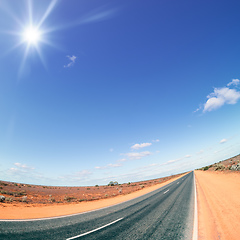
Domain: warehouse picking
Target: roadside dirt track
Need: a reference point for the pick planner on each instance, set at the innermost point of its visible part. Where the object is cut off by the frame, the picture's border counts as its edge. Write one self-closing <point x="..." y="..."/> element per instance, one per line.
<point x="218" y="205"/>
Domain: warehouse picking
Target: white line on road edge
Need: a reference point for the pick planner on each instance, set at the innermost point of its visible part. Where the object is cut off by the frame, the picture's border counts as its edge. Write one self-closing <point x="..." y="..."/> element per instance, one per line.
<point x="195" y="223"/>
<point x="166" y="191"/>
<point x="83" y="234"/>
<point x="177" y="182"/>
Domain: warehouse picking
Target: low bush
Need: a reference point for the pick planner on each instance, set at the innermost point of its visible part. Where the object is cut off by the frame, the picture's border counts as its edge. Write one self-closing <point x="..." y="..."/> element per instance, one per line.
<point x="69" y="199"/>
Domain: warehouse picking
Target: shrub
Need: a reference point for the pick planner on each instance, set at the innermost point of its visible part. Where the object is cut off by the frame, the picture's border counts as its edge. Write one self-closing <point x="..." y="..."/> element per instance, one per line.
<point x="51" y="199"/>
<point x="2" y="198"/>
<point x="8" y="199"/>
<point x="111" y="183"/>
<point x="219" y="166"/>
<point x="69" y="199"/>
<point x="24" y="199"/>
<point x="205" y="168"/>
<point x="4" y="184"/>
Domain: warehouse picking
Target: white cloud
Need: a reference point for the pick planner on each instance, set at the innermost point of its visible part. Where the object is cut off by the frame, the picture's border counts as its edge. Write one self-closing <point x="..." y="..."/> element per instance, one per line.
<point x="200" y="152"/>
<point x="24" y="166"/>
<point x="219" y="97"/>
<point x="82" y="174"/>
<point x="234" y="82"/>
<point x="172" y="161"/>
<point x="72" y="61"/>
<point x="176" y="160"/>
<point x="223" y="140"/>
<point x="141" y="145"/>
<point x="79" y="176"/>
<point x="139" y="155"/>
<point x="157" y="140"/>
<point x="111" y="165"/>
<point x="122" y="160"/>
<point x="198" y="109"/>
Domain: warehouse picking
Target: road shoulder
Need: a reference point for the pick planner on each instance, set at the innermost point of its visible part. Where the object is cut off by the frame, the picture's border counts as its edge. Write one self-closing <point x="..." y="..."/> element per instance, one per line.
<point x="218" y="195"/>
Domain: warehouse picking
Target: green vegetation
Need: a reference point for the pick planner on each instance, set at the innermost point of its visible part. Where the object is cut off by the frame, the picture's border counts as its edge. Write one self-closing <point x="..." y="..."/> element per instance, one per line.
<point x="111" y="183"/>
<point x="69" y="199"/>
<point x="81" y="199"/>
<point x="3" y="184"/>
<point x="15" y="194"/>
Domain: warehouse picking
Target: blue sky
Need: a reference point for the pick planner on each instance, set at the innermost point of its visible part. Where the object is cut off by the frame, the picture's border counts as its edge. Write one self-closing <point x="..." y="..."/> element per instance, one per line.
<point x="116" y="90"/>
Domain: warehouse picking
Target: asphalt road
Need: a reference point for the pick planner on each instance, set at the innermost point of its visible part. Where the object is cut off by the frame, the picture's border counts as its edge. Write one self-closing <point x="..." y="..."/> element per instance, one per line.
<point x="166" y="213"/>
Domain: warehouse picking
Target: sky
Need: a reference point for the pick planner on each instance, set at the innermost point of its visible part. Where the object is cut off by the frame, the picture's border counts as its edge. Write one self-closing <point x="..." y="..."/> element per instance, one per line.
<point x="97" y="91"/>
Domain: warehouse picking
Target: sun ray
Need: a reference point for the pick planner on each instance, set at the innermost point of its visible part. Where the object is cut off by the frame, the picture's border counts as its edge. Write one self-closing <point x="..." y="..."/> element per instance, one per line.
<point x="51" y="44"/>
<point x="11" y="49"/>
<point x="30" y="11"/>
<point x="23" y="60"/>
<point x="48" y="11"/>
<point x="6" y="9"/>
<point x="41" y="57"/>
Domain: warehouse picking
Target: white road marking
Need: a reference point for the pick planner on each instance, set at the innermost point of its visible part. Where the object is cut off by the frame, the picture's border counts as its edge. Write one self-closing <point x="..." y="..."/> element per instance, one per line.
<point x="195" y="223"/>
<point x="177" y="182"/>
<point x="94" y="230"/>
<point x="166" y="191"/>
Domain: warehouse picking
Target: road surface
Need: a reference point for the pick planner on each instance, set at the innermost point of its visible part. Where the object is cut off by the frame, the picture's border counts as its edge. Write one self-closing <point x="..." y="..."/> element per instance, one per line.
<point x="166" y="213"/>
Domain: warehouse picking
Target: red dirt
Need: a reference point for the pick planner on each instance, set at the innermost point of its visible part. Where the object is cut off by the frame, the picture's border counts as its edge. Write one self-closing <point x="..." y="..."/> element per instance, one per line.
<point x="45" y="201"/>
<point x="218" y="195"/>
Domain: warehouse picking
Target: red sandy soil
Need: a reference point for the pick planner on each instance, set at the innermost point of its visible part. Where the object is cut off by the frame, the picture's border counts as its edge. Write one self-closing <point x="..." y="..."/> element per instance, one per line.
<point x="218" y="196"/>
<point x="224" y="165"/>
<point x="25" y="201"/>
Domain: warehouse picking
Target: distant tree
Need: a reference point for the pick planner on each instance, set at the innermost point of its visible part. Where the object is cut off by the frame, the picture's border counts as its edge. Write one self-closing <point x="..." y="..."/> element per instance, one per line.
<point x="111" y="183"/>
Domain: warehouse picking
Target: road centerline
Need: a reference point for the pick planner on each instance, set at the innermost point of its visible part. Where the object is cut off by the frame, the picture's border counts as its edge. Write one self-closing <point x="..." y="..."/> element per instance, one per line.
<point x="94" y="230"/>
<point x="166" y="191"/>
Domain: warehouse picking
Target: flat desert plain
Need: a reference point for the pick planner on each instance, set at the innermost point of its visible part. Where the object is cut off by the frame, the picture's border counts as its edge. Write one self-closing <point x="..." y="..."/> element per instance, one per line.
<point x="25" y="201"/>
<point x="218" y="198"/>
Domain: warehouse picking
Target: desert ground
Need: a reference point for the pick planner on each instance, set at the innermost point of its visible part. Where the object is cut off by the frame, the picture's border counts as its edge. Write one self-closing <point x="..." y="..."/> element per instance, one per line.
<point x="218" y="197"/>
<point x="218" y="194"/>
<point x="24" y="201"/>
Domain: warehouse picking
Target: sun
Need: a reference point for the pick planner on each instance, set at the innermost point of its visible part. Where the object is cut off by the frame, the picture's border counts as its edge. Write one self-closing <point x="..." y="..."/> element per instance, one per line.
<point x="31" y="35"/>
